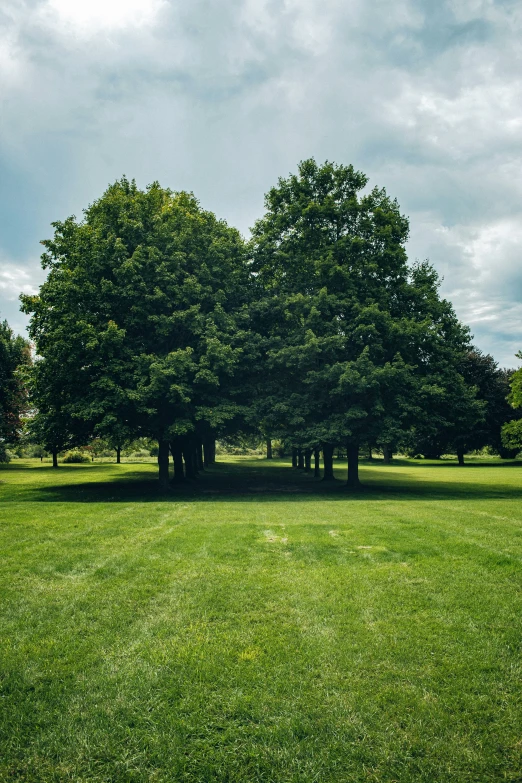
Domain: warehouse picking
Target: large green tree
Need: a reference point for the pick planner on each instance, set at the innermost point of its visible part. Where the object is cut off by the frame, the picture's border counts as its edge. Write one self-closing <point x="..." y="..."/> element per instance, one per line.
<point x="138" y="324"/>
<point x="358" y="344"/>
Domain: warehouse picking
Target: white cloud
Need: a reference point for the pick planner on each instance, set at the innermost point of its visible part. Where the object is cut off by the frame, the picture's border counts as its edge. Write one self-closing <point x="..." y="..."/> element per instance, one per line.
<point x="16" y="279"/>
<point x="223" y="98"/>
<point x="87" y="17"/>
<point x="482" y="269"/>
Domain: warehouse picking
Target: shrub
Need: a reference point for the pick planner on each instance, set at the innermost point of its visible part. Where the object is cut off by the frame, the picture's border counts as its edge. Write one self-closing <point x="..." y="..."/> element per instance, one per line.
<point x="154" y="451"/>
<point x="279" y="448"/>
<point x="238" y="451"/>
<point x="36" y="452"/>
<point x="76" y="457"/>
<point x="511" y="438"/>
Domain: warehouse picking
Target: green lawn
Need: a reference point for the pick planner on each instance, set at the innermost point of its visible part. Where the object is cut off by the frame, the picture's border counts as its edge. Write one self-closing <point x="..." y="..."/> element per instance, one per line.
<point x="262" y="627"/>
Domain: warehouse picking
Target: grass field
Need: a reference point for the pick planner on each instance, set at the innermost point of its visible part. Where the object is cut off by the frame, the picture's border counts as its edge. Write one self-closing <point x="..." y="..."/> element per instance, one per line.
<point x="262" y="627"/>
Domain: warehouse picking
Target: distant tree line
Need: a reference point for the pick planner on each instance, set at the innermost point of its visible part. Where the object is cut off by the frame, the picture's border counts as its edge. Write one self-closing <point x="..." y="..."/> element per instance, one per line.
<point x="157" y="320"/>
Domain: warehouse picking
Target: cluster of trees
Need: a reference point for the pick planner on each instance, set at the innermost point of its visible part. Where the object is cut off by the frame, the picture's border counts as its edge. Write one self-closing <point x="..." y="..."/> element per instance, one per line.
<point x="158" y="320"/>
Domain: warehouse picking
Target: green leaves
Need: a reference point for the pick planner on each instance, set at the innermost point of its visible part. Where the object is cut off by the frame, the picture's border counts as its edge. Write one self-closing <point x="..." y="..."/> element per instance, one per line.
<point x="512" y="435"/>
<point x="512" y="430"/>
<point x="139" y="306"/>
<point x="334" y="263"/>
<point x="515" y="395"/>
<point x="15" y="358"/>
<point x="156" y="320"/>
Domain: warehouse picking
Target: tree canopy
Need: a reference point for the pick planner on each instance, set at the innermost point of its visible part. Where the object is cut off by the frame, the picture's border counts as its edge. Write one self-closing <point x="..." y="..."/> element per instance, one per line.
<point x="359" y="344"/>
<point x="157" y="320"/>
<point x="140" y="318"/>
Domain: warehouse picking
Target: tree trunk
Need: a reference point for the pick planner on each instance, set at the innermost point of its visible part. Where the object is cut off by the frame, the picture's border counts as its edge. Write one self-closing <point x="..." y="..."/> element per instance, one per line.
<point x="163" y="463"/>
<point x="269" y="448"/>
<point x="387" y="454"/>
<point x="328" y="474"/>
<point x="199" y="454"/>
<point x="193" y="446"/>
<point x="317" y="469"/>
<point x="353" y="466"/>
<point x="55" y="458"/>
<point x="300" y="459"/>
<point x="294" y="458"/>
<point x="370" y="455"/>
<point x="307" y="460"/>
<point x="118" y="455"/>
<point x="188" y="457"/>
<point x="460" y="456"/>
<point x="210" y="452"/>
<point x="177" y="459"/>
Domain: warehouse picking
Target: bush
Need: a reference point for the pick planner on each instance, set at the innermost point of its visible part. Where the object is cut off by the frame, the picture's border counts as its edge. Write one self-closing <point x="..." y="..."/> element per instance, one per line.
<point x="238" y="451"/>
<point x="279" y="448"/>
<point x="76" y="457"/>
<point x="4" y="454"/>
<point x="36" y="452"/>
<point x="511" y="438"/>
<point x="154" y="451"/>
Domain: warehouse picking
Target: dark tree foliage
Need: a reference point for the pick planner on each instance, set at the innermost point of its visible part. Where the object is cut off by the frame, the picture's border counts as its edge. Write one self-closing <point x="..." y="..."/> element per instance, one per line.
<point x="359" y="346"/>
<point x="512" y="430"/>
<point x="461" y="432"/>
<point x="443" y="403"/>
<point x="139" y="323"/>
<point x="15" y="357"/>
<point x="155" y="322"/>
<point x="493" y="387"/>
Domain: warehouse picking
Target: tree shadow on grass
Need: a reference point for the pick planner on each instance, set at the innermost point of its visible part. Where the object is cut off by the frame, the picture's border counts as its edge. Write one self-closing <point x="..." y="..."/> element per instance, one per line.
<point x="445" y="463"/>
<point x="261" y="482"/>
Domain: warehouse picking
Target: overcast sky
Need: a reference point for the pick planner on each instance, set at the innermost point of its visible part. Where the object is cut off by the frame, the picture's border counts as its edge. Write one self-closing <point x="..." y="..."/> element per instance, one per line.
<point x="221" y="98"/>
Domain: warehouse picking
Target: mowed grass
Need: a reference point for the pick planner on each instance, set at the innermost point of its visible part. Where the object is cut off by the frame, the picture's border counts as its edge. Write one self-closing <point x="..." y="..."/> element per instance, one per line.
<point x="262" y="626"/>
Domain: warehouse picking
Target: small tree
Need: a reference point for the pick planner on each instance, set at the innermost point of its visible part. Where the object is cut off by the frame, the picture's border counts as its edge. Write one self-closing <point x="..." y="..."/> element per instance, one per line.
<point x="492" y="386"/>
<point x="51" y="424"/>
<point x="51" y="429"/>
<point x="512" y="431"/>
<point x="15" y="357"/>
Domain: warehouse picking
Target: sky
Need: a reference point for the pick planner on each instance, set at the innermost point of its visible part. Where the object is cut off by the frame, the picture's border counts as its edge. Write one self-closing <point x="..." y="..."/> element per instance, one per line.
<point x="424" y="96"/>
